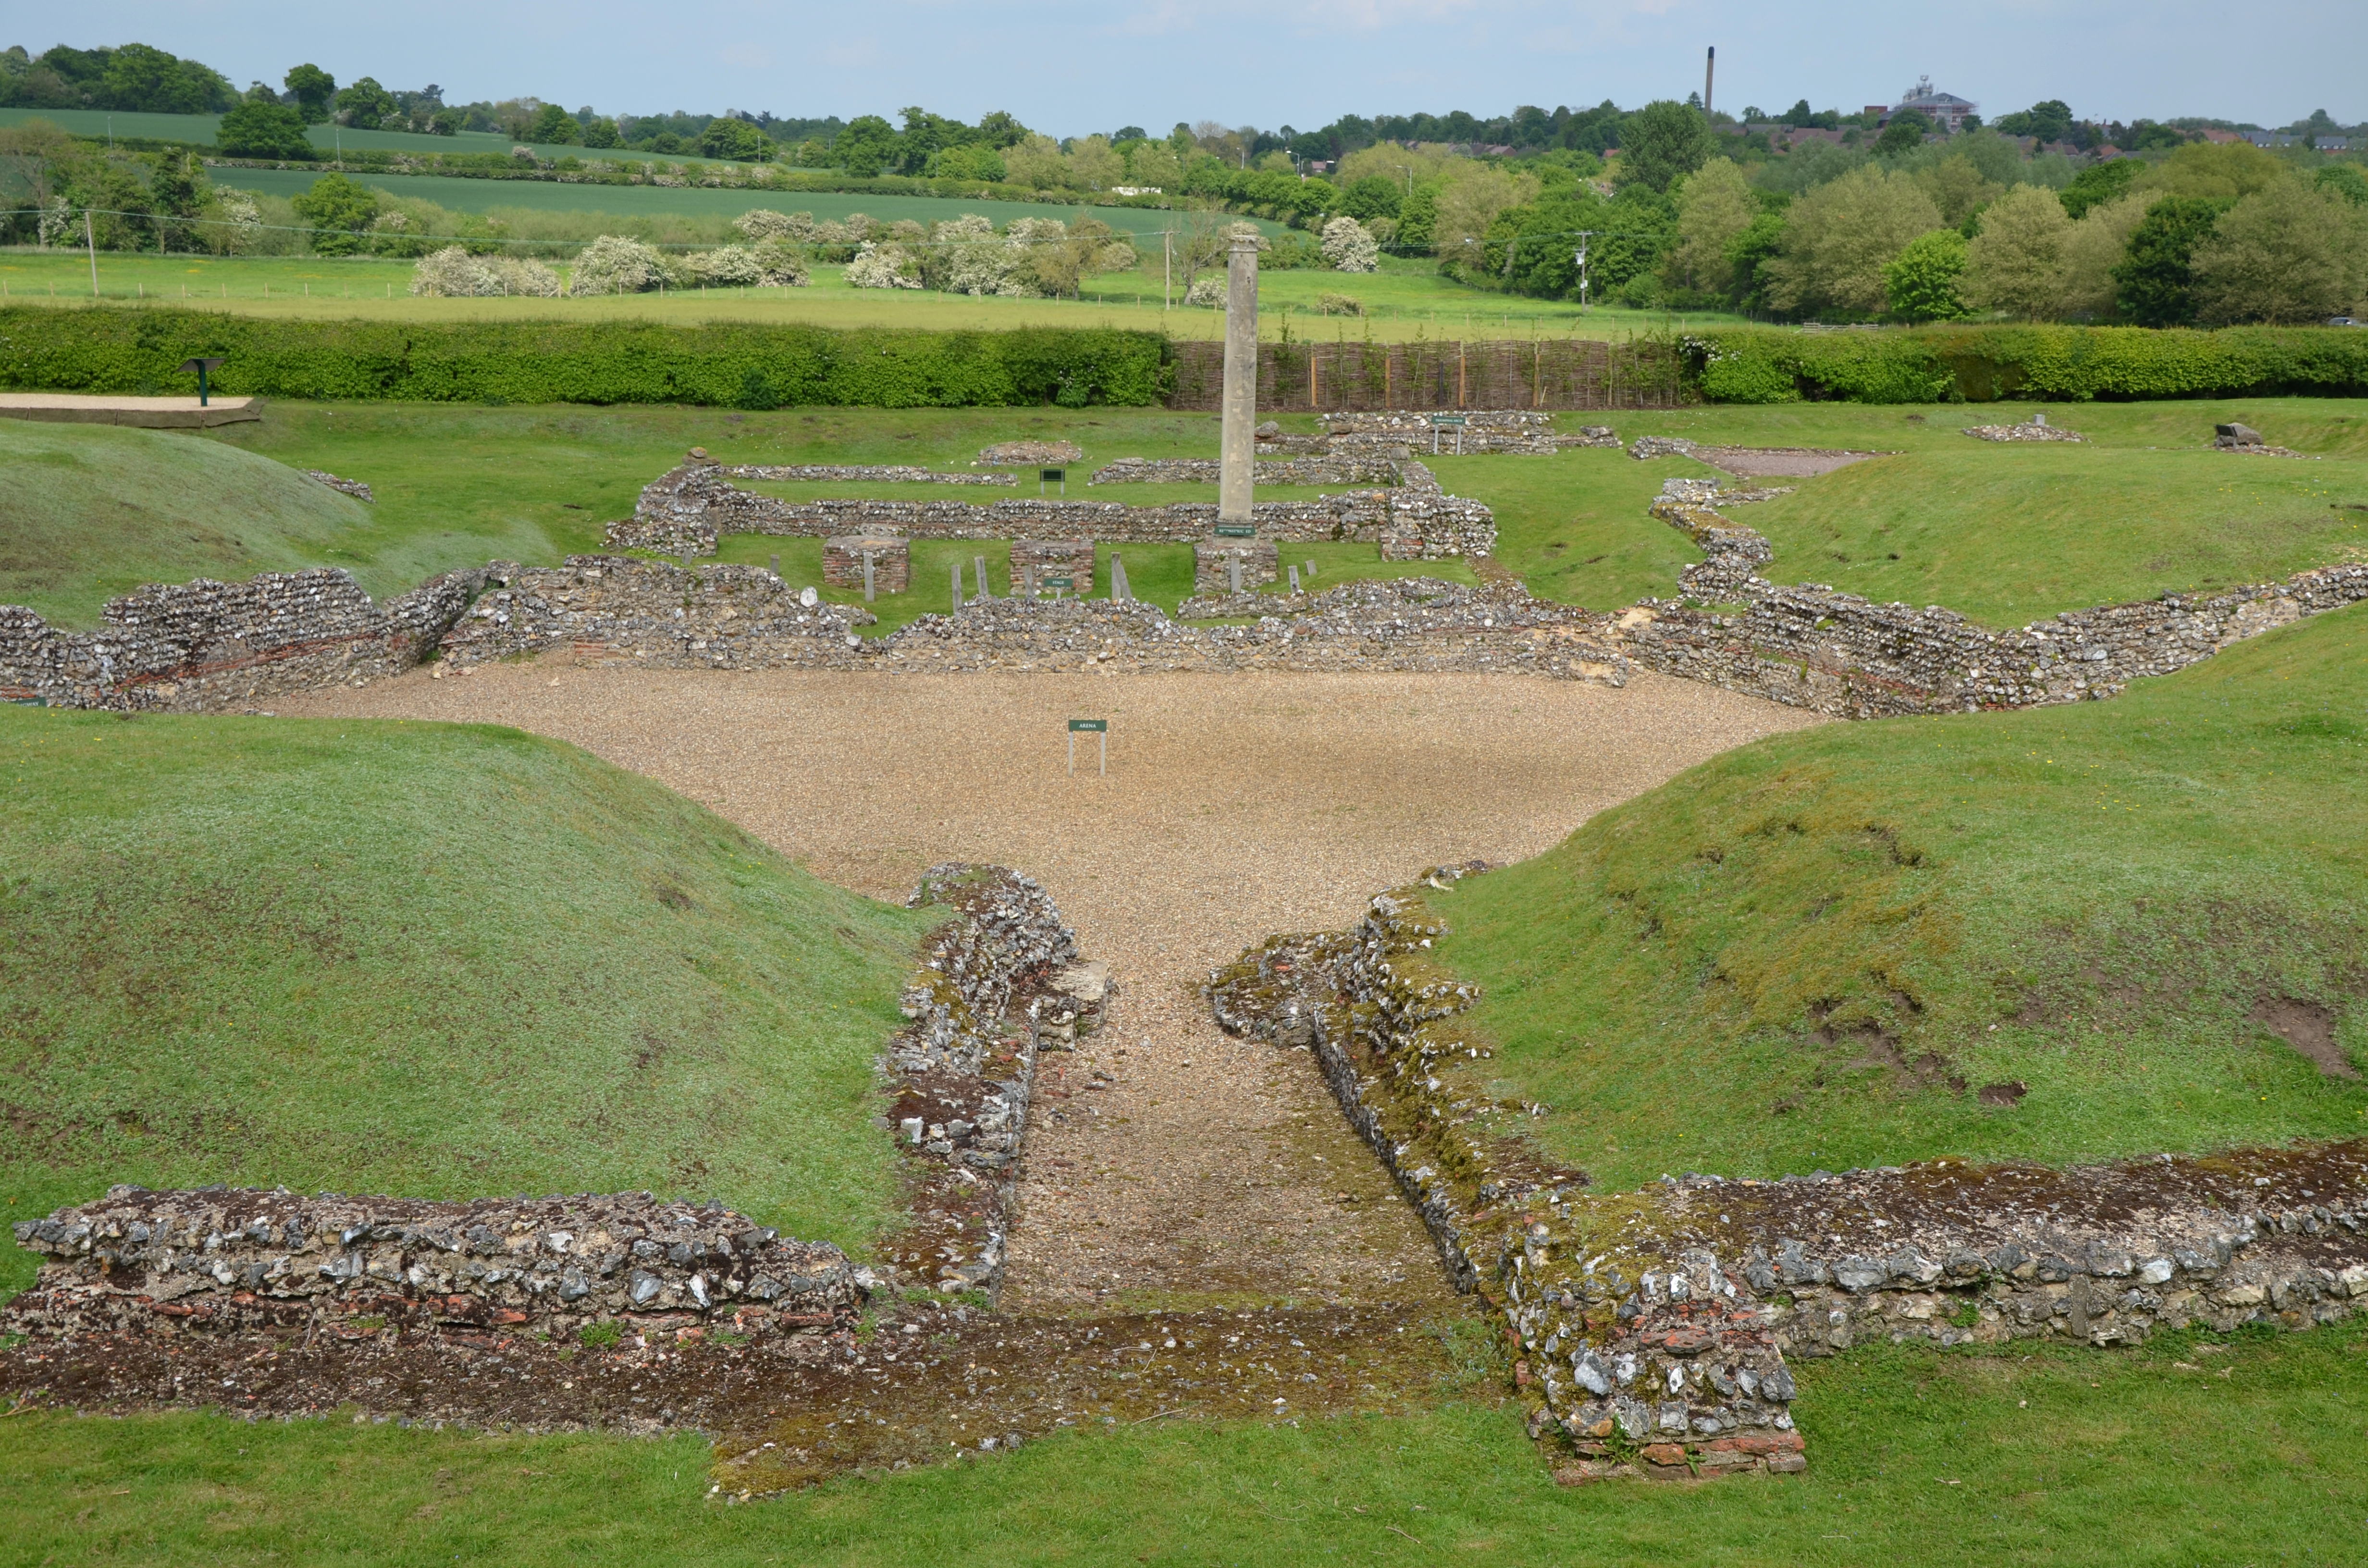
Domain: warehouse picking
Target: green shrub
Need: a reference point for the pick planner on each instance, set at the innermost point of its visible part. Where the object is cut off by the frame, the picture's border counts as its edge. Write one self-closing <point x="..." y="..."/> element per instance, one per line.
<point x="101" y="349"/>
<point x="1981" y="364"/>
<point x="602" y="1335"/>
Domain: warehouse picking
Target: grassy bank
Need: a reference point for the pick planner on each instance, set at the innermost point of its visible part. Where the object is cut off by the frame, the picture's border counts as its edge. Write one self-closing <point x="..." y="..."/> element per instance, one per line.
<point x="91" y="511"/>
<point x="1813" y="951"/>
<point x="2003" y="533"/>
<point x="433" y="961"/>
<point x="2045" y="1456"/>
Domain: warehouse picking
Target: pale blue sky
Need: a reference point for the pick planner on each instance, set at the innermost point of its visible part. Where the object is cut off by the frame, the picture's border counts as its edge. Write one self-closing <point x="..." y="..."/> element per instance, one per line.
<point x="1070" y="67"/>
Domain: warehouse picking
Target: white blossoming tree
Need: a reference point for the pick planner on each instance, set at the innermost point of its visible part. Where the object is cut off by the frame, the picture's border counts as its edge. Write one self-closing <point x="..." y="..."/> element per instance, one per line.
<point x="616" y="265"/>
<point x="884" y="267"/>
<point x="1348" y="247"/>
<point x="725" y="267"/>
<point x="450" y="274"/>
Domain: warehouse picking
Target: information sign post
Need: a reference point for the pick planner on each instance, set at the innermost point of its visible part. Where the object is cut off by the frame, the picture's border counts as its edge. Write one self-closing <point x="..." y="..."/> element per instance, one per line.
<point x="1094" y="727"/>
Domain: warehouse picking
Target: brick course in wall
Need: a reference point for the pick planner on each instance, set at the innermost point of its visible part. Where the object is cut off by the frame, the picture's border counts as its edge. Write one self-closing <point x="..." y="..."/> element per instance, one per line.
<point x="1052" y="558"/>
<point x="891" y="561"/>
<point x="193" y="646"/>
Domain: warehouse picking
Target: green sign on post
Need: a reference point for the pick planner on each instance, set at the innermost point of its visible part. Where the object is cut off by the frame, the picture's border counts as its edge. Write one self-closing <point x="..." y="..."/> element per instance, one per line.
<point x="1237" y="531"/>
<point x="1092" y="727"/>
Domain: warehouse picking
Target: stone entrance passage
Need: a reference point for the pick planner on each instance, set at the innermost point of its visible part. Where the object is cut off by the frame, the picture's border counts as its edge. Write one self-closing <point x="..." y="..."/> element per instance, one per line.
<point x="891" y="561"/>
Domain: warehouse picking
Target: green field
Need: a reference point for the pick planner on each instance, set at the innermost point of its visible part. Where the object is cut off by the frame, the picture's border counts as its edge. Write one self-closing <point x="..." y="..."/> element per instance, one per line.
<point x="197" y="130"/>
<point x="1748" y="969"/>
<point x="1404" y="307"/>
<point x="439" y="961"/>
<point x="2069" y="1457"/>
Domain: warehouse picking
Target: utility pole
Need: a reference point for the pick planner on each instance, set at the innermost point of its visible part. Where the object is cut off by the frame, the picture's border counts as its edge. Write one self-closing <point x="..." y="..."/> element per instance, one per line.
<point x="91" y="241"/>
<point x="1583" y="235"/>
<point x="1168" y="266"/>
<point x="1710" y="68"/>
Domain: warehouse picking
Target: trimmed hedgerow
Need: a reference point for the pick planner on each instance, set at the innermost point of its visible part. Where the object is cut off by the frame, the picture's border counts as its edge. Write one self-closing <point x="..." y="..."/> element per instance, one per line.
<point x="1980" y="364"/>
<point x="100" y="349"/>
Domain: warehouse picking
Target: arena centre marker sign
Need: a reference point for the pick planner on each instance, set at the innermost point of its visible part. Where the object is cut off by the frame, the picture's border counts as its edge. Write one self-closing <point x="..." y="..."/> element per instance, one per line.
<point x="1092" y="727"/>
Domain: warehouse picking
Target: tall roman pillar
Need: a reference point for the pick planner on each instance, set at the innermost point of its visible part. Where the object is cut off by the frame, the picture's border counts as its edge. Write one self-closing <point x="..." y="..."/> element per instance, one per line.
<point x="1237" y="456"/>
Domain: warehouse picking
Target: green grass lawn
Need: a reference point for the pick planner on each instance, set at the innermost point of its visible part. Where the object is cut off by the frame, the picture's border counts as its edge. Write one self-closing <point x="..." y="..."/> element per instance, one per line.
<point x="2047" y="1455"/>
<point x="2004" y="534"/>
<point x="435" y="961"/>
<point x="1574" y="527"/>
<point x="1744" y="969"/>
<point x="2016" y="533"/>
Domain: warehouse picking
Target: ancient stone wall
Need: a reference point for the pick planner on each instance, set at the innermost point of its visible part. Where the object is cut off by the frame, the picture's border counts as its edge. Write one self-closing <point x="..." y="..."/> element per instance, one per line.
<point x="1000" y="981"/>
<point x="891" y="561"/>
<point x="686" y="511"/>
<point x="203" y="644"/>
<point x="1813" y="647"/>
<point x="1484" y="430"/>
<point x="1065" y="565"/>
<point x="1653" y="1328"/>
<point x="857" y="474"/>
<point x="1347" y="468"/>
<point x="1214" y="569"/>
<point x="231" y="1261"/>
<point x="714" y="617"/>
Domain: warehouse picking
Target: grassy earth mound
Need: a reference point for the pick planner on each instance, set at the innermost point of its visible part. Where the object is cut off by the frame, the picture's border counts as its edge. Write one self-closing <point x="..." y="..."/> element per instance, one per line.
<point x="2142" y="921"/>
<point x="437" y="961"/>
<point x="91" y="511"/>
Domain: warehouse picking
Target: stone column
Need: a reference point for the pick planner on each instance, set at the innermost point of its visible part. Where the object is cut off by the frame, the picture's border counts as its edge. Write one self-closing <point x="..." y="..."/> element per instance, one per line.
<point x="1237" y="457"/>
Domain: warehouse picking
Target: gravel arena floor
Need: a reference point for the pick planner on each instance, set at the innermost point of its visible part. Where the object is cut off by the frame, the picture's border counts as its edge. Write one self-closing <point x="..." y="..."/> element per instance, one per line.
<point x="1235" y="807"/>
<point x="1209" y="1174"/>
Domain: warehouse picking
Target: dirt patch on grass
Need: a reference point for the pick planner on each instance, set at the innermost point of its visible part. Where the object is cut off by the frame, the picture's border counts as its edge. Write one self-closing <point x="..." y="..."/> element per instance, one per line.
<point x="1779" y="463"/>
<point x="2309" y="1029"/>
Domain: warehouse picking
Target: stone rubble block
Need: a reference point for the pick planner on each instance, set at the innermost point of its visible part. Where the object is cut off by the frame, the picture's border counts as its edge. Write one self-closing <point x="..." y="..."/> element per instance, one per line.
<point x="227" y="1260"/>
<point x="1484" y="431"/>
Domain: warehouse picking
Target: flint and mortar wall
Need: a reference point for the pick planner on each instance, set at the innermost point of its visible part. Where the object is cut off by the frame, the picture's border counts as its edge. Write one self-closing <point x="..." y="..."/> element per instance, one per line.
<point x="228" y="1261"/>
<point x="1000" y="981"/>
<point x="203" y="644"/>
<point x="1654" y="1327"/>
<point x="1812" y="647"/>
<point x="685" y="512"/>
<point x="1346" y="469"/>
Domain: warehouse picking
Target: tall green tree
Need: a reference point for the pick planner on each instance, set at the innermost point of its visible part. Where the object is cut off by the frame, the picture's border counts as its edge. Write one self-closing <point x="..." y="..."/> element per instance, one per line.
<point x="262" y="130"/>
<point x="1661" y="142"/>
<point x="867" y="146"/>
<point x="339" y="210"/>
<point x="2284" y="255"/>
<point x="1904" y="135"/>
<point x="733" y="138"/>
<point x="2154" y="283"/>
<point x="314" y="88"/>
<point x="366" y="105"/>
<point x="1922" y="281"/>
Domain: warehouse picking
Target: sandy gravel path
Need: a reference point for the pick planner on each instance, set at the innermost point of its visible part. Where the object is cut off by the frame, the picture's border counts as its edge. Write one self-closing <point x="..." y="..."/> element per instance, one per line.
<point x="1206" y="1171"/>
